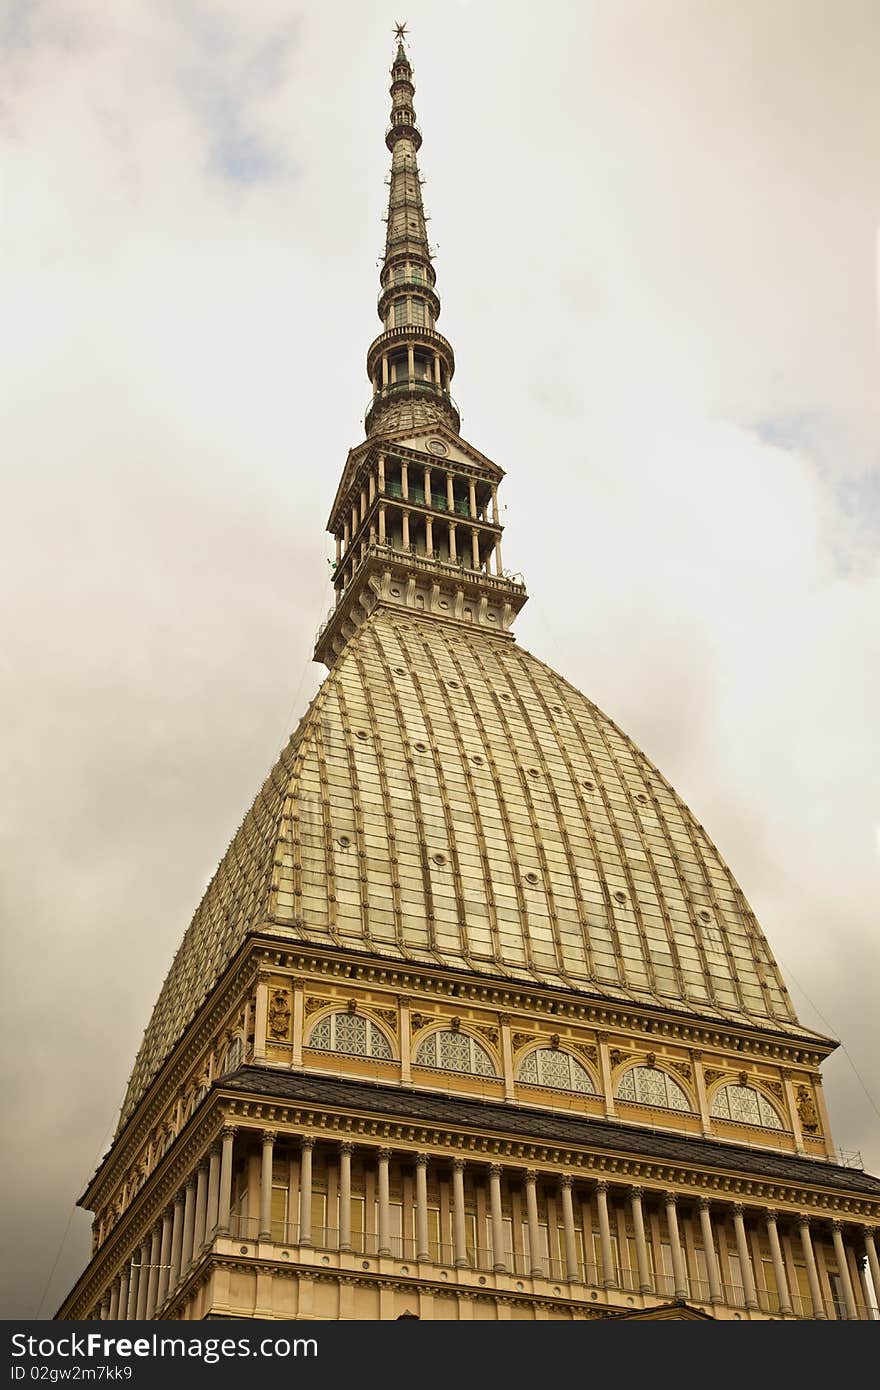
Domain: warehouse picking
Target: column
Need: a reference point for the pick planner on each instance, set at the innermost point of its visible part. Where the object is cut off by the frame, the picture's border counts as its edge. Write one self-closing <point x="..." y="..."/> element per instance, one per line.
<point x="338" y="549"/>
<point x="113" y="1312"/>
<point x="638" y="1220"/>
<point x="133" y="1275"/>
<point x="261" y="1015"/>
<point x="498" y="566"/>
<point x="679" y="1271"/>
<point x="793" y="1116"/>
<point x="164" y="1258"/>
<point x="296" y="1055"/>
<point x="224" y="1203"/>
<point x="607" y="1086"/>
<point x="176" y="1243"/>
<point x="422" y="1246"/>
<point x="571" y="1259"/>
<point x="452" y="551"/>
<point x="410" y="361"/>
<point x="201" y="1210"/>
<point x="438" y="380"/>
<point x="499" y="1264"/>
<point x="384" y="369"/>
<point x="405" y="529"/>
<point x="381" y="524"/>
<point x="843" y="1270"/>
<point x="531" y="1181"/>
<point x="507" y="1057"/>
<point x="609" y="1273"/>
<point x="460" y="1258"/>
<point x="384" y="1231"/>
<point x="127" y="1279"/>
<point x="265" y="1232"/>
<point x="404" y="481"/>
<point x="153" y="1280"/>
<point x="475" y="548"/>
<point x="213" y="1192"/>
<point x="405" y="1034"/>
<point x="428" y="487"/>
<point x="346" y="1148"/>
<point x="812" y="1272"/>
<point x="495" y="517"/>
<point x="104" y="1308"/>
<point x="305" y="1190"/>
<point x="871" y="1256"/>
<point x="715" y="1292"/>
<point x="189" y="1217"/>
<point x="381" y="472"/>
<point x="450" y="494"/>
<point x="702" y="1097"/>
<point x="472" y="500"/>
<point x="778" y="1262"/>
<point x="143" y="1281"/>
<point x="363" y="504"/>
<point x="745" y="1258"/>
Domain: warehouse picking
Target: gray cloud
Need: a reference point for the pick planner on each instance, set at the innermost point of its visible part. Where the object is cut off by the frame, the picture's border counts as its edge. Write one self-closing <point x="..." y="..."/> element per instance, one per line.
<point x="657" y="248"/>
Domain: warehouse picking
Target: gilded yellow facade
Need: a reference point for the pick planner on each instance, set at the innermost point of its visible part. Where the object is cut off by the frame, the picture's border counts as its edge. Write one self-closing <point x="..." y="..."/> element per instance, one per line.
<point x="473" y="1020"/>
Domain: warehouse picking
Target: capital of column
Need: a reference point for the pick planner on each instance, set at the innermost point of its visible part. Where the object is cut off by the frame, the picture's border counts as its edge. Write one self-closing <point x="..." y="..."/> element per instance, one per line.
<point x="836" y="1224"/>
<point x="671" y="1199"/>
<point x="770" y="1214"/>
<point x="307" y="1141"/>
<point x="803" y="1220"/>
<point x="191" y="1181"/>
<point x="346" y="1147"/>
<point x="458" y="1164"/>
<point x="869" y="1232"/>
<point x="566" y="1180"/>
<point x="495" y="1170"/>
<point x="530" y="1175"/>
<point x="384" y="1153"/>
<point x="227" y="1132"/>
<point x="269" y="1136"/>
<point x="421" y="1160"/>
<point x="637" y="1192"/>
<point x="705" y="1204"/>
<point x="602" y="1185"/>
<point x="214" y="1148"/>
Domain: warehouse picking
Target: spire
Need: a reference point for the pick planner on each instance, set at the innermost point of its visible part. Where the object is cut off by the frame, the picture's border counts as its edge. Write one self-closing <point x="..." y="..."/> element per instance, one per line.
<point x="416" y="519"/>
<point x="410" y="364"/>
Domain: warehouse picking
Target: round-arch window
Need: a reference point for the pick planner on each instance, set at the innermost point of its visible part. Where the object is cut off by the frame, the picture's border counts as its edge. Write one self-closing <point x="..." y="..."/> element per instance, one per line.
<point x="745" y="1104"/>
<point x="548" y="1066"/>
<point x="454" y="1052"/>
<point x="651" y="1086"/>
<point x="350" y="1033"/>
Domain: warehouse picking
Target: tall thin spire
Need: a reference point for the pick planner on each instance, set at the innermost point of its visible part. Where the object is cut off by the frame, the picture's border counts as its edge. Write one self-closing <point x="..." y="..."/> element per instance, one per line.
<point x="410" y="364"/>
<point x="416" y="519"/>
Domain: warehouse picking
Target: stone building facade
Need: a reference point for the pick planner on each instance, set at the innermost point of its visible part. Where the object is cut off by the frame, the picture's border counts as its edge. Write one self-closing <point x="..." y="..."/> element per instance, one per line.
<point x="473" y="1020"/>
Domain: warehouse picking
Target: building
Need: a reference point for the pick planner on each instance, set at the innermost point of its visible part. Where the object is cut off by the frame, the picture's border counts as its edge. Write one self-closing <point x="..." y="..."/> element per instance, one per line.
<point x="473" y="1020"/>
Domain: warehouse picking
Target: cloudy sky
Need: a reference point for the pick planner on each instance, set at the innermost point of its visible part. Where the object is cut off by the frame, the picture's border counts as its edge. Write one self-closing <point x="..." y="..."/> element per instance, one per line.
<point x="656" y="226"/>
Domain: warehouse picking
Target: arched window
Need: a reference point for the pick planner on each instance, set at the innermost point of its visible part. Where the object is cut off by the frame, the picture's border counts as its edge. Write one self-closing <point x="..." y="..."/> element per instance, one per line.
<point x="548" y="1066"/>
<point x="651" y="1086"/>
<point x="351" y="1033"/>
<point x="234" y="1053"/>
<point x="454" y="1052"/>
<point x="745" y="1104"/>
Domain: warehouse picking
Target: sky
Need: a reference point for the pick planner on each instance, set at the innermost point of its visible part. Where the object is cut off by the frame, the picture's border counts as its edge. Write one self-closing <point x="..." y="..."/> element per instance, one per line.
<point x="656" y="234"/>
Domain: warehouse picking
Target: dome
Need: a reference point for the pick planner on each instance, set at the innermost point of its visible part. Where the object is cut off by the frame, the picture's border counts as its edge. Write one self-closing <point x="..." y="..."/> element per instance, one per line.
<point x="449" y="800"/>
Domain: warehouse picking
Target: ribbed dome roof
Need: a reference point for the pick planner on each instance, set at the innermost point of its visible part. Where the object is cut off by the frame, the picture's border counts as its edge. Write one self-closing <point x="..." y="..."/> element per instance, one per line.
<point x="449" y="800"/>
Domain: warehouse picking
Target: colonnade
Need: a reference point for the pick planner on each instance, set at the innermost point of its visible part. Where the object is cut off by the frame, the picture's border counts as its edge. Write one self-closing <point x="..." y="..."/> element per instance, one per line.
<point x="202" y="1210"/>
<point x="375" y="485"/>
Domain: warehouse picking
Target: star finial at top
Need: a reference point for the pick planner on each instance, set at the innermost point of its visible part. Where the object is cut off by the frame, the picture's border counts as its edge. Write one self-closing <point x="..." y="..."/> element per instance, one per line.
<point x="400" y="32"/>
